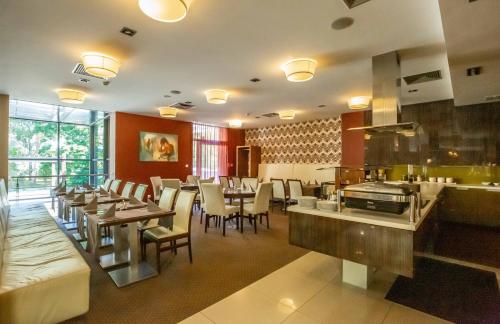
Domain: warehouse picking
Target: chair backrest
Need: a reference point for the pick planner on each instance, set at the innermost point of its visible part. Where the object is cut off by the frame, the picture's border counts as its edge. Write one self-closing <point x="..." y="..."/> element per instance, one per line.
<point x="236" y="182"/>
<point x="250" y="182"/>
<point x="224" y="181"/>
<point x="295" y="187"/>
<point x="106" y="184"/>
<point x="115" y="184"/>
<point x="156" y="183"/>
<point x="200" y="182"/>
<point x="184" y="210"/>
<point x="127" y="189"/>
<point x="192" y="179"/>
<point x="262" y="196"/>
<point x="140" y="191"/>
<point x="278" y="188"/>
<point x="171" y="183"/>
<point x="167" y="198"/>
<point x="214" y="199"/>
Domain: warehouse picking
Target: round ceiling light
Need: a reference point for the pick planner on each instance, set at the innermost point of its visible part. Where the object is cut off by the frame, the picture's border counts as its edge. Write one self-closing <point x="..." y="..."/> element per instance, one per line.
<point x="289" y="114"/>
<point x="360" y="102"/>
<point x="168" y="112"/>
<point x="299" y="70"/>
<point x="235" y="123"/>
<point x="217" y="96"/>
<point x="100" y="65"/>
<point x="71" y="96"/>
<point x="165" y="10"/>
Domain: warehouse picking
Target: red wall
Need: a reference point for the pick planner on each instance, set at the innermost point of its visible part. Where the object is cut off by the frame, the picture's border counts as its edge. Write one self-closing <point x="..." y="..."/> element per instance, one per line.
<point x="353" y="142"/>
<point x="127" y="164"/>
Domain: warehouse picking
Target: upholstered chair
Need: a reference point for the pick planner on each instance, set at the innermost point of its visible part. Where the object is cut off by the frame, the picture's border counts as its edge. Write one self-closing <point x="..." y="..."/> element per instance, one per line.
<point x="295" y="187"/>
<point x="250" y="183"/>
<point x="279" y="192"/>
<point x="140" y="192"/>
<point x="156" y="183"/>
<point x="215" y="206"/>
<point x="106" y="184"/>
<point x="260" y="206"/>
<point x="181" y="229"/>
<point x="236" y="182"/>
<point x="127" y="189"/>
<point x="199" y="197"/>
<point x="224" y="181"/>
<point x="171" y="183"/>
<point x="192" y="179"/>
<point x="115" y="185"/>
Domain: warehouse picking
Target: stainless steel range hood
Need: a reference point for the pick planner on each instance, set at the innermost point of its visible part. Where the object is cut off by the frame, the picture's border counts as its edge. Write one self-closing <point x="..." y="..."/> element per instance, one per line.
<point x="386" y="94"/>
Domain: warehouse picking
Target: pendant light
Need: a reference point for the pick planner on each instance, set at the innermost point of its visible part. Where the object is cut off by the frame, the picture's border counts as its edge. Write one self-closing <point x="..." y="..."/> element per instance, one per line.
<point x="165" y="10"/>
<point x="360" y="102"/>
<point x="71" y="96"/>
<point x="300" y="69"/>
<point x="289" y="114"/>
<point x="216" y="96"/>
<point x="100" y="65"/>
<point x="168" y="112"/>
<point x="235" y="123"/>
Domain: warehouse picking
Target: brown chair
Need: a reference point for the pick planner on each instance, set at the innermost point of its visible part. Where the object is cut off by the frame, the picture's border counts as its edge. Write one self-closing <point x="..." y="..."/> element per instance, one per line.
<point x="181" y="229"/>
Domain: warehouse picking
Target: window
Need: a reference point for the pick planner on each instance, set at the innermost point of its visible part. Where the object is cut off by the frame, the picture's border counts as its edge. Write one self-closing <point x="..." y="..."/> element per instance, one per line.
<point x="209" y="151"/>
<point x="49" y="144"/>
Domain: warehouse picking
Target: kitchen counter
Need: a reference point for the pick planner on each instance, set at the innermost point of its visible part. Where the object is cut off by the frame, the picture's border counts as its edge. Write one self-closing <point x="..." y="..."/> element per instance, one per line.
<point x="452" y="185"/>
<point x="429" y="191"/>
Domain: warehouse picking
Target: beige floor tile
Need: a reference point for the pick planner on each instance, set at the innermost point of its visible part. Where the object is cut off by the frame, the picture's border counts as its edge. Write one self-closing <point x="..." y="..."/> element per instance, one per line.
<point x="402" y="314"/>
<point x="298" y="318"/>
<point x="316" y="266"/>
<point x="197" y="318"/>
<point x="247" y="306"/>
<point x="341" y="303"/>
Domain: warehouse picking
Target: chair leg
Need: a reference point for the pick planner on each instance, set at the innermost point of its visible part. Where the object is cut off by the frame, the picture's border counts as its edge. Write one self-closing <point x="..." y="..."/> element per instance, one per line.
<point x="224" y="226"/>
<point x="190" y="252"/>
<point x="201" y="215"/>
<point x="158" y="256"/>
<point x="207" y="219"/>
<point x="175" y="247"/>
<point x="260" y="218"/>
<point x="237" y="221"/>
<point x="267" y="219"/>
<point x="255" y="224"/>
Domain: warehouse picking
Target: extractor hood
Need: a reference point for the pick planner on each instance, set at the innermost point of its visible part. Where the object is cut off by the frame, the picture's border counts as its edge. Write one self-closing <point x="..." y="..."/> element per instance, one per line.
<point x="386" y="93"/>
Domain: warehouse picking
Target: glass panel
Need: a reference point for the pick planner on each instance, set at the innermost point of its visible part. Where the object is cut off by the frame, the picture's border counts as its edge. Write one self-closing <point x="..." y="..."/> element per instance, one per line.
<point x="74" y="141"/>
<point x="32" y="139"/>
<point x="32" y="110"/>
<point x="74" y="115"/>
<point x="28" y="179"/>
<point x="99" y="139"/>
<point x="75" y="172"/>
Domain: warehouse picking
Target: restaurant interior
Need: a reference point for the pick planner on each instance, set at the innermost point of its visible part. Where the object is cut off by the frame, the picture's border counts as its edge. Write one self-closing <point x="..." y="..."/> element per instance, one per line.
<point x="217" y="161"/>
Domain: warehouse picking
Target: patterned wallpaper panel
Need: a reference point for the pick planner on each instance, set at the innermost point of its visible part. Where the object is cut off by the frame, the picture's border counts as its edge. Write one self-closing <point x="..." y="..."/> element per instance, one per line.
<point x="314" y="141"/>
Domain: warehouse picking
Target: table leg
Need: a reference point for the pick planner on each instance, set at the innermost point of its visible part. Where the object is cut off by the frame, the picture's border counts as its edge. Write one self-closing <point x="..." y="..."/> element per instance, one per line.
<point x="241" y="214"/>
<point x="120" y="254"/>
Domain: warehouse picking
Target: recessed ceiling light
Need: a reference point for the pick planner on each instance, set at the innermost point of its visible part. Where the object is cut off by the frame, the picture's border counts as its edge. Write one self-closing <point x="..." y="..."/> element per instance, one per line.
<point x="321" y="106"/>
<point x="255" y="80"/>
<point x="128" y="31"/>
<point x="342" y="23"/>
<point x="84" y="80"/>
<point x="299" y="70"/>
<point x="175" y="92"/>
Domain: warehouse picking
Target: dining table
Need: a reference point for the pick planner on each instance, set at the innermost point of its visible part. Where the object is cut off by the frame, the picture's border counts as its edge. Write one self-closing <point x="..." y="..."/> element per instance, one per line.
<point x="126" y="249"/>
<point x="239" y="194"/>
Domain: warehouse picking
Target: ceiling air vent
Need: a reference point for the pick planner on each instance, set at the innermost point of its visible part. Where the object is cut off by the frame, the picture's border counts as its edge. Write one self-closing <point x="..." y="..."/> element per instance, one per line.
<point x="270" y="115"/>
<point x="423" y="77"/>
<point x="354" y="3"/>
<point x="80" y="70"/>
<point x="183" y="105"/>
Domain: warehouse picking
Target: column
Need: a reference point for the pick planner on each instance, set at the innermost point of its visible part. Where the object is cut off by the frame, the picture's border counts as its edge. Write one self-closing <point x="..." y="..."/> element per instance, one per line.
<point x="4" y="137"/>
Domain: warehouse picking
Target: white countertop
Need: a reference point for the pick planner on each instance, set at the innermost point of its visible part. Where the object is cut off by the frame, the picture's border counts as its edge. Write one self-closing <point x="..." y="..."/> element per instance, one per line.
<point x="429" y="192"/>
<point x="454" y="185"/>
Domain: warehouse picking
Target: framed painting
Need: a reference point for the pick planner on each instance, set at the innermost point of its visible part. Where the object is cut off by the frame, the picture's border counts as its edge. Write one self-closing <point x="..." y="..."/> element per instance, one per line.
<point x="158" y="147"/>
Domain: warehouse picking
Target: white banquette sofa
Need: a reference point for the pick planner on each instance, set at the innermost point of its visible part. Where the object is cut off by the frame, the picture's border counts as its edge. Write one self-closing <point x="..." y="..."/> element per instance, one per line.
<point x="43" y="278"/>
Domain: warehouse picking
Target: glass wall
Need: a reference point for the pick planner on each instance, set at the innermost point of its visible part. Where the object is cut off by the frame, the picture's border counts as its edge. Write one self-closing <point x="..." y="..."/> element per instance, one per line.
<point x="209" y="151"/>
<point x="49" y="144"/>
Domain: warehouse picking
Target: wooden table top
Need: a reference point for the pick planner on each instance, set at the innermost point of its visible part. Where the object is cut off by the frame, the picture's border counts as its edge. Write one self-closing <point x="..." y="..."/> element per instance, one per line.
<point x="238" y="193"/>
<point x="130" y="216"/>
<point x="89" y="197"/>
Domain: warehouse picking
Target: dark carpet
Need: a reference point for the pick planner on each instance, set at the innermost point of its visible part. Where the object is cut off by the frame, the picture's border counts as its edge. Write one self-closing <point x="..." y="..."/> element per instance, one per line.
<point x="221" y="266"/>
<point x="453" y="292"/>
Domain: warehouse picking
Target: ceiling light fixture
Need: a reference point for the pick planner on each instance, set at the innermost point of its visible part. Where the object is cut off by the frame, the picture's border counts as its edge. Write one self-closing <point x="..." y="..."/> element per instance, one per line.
<point x="235" y="123"/>
<point x="299" y="70"/>
<point x="217" y="96"/>
<point x="289" y="114"/>
<point x="165" y="10"/>
<point x="100" y="65"/>
<point x="168" y="112"/>
<point x="71" y="96"/>
<point x="360" y="102"/>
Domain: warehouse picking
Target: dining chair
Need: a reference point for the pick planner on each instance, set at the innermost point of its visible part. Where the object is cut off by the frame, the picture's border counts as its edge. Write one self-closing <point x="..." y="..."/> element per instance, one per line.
<point x="279" y="192"/>
<point x="115" y="184"/>
<point x="215" y="206"/>
<point x="260" y="206"/>
<point x="192" y="179"/>
<point x="106" y="184"/>
<point x="171" y="183"/>
<point x="166" y="203"/>
<point x="140" y="192"/>
<point x="236" y="182"/>
<point x="295" y="187"/>
<point x="156" y="183"/>
<point x="127" y="189"/>
<point x="250" y="182"/>
<point x="181" y="229"/>
<point x="200" y="198"/>
<point x="224" y="181"/>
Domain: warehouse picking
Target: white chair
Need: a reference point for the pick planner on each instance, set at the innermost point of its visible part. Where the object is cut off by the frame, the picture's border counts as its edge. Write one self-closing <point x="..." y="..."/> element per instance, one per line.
<point x="171" y="183"/>
<point x="224" y="181"/>
<point x="295" y="187"/>
<point x="140" y="192"/>
<point x="127" y="189"/>
<point x="215" y="206"/>
<point x="115" y="184"/>
<point x="250" y="182"/>
<point x="199" y="197"/>
<point x="106" y="184"/>
<point x="156" y="183"/>
<point x="192" y="179"/>
<point x="260" y="206"/>
<point x="236" y="182"/>
<point x="279" y="192"/>
<point x="181" y="229"/>
<point x="166" y="203"/>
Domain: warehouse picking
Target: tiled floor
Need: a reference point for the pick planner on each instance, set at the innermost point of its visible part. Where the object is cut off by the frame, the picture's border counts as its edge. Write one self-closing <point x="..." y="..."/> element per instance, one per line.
<point x="310" y="290"/>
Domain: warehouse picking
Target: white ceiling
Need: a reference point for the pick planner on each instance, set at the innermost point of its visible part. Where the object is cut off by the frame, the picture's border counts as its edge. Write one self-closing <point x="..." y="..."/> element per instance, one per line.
<point x="221" y="44"/>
